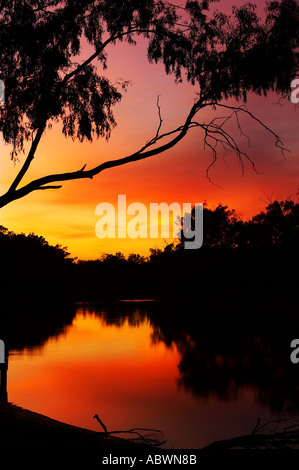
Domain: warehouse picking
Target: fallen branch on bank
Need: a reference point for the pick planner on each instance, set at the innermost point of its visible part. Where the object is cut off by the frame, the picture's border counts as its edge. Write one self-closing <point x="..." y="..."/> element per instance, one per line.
<point x="151" y="438"/>
<point x="281" y="434"/>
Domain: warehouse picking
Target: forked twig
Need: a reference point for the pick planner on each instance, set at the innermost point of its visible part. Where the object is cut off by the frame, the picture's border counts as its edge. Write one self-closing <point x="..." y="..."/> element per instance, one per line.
<point x="148" y="439"/>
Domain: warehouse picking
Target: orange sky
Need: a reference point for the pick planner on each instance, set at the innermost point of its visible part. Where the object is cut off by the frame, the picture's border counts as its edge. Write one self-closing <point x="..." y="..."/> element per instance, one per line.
<point x="67" y="216"/>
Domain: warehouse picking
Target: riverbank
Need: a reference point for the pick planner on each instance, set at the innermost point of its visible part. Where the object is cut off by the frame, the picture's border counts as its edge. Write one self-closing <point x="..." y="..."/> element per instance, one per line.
<point x="34" y="439"/>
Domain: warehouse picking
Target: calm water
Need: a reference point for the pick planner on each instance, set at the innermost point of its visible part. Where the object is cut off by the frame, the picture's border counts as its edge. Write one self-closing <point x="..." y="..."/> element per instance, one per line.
<point x="135" y="367"/>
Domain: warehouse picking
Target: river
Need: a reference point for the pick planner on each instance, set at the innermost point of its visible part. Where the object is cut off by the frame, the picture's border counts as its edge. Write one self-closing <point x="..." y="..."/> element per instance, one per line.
<point x="137" y="365"/>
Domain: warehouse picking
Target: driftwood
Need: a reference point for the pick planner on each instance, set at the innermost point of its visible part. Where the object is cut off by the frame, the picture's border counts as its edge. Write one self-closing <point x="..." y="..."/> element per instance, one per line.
<point x="279" y="434"/>
<point x="282" y="434"/>
<point x="102" y="424"/>
<point x="152" y="437"/>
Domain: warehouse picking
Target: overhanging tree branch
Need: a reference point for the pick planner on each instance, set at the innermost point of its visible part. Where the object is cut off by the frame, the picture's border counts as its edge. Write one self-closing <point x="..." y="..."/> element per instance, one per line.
<point x="43" y="183"/>
<point x="214" y="134"/>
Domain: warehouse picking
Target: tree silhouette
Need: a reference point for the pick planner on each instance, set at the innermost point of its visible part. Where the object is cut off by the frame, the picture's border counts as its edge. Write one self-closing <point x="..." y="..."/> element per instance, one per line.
<point x="33" y="269"/>
<point x="258" y="254"/>
<point x="275" y="227"/>
<point x="222" y="55"/>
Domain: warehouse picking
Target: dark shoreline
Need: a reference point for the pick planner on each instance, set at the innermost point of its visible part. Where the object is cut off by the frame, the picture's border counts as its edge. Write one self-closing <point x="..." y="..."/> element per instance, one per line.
<point x="29" y="437"/>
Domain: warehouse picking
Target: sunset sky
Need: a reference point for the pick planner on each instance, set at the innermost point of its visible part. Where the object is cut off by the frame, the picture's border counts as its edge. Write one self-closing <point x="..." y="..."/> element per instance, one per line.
<point x="67" y="216"/>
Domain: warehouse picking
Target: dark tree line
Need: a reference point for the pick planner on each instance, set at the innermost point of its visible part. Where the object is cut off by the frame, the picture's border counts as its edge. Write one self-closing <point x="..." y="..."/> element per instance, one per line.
<point x="260" y="255"/>
<point x="33" y="269"/>
<point x="277" y="226"/>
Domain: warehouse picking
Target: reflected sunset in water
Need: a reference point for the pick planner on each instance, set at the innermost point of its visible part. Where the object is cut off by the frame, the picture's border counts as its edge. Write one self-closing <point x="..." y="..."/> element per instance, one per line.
<point x="116" y="367"/>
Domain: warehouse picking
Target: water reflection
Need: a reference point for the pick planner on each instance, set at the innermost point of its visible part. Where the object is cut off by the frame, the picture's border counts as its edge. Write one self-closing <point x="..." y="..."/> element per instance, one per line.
<point x="222" y="354"/>
<point x="113" y="356"/>
<point x="28" y="329"/>
<point x="30" y="326"/>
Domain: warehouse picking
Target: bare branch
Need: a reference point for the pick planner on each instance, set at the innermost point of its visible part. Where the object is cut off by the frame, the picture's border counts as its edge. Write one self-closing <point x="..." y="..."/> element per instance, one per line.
<point x="160" y="118"/>
<point x="256" y="427"/>
<point x="275" y="434"/>
<point x="49" y="187"/>
<point x="149" y="439"/>
<point x="243" y="108"/>
<point x="96" y="416"/>
<point x="214" y="135"/>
